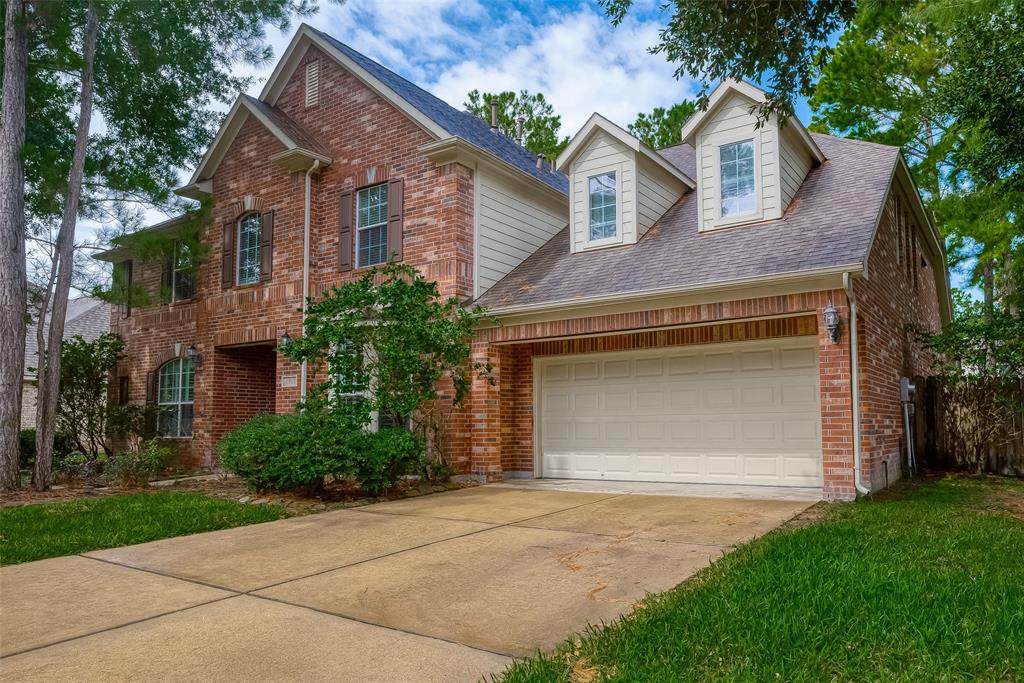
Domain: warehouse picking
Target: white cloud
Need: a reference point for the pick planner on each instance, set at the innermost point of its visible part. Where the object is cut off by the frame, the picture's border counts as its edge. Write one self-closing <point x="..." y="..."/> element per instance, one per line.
<point x="569" y="52"/>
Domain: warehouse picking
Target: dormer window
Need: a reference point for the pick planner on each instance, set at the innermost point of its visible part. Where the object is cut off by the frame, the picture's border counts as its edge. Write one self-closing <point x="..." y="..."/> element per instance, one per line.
<point x="736" y="161"/>
<point x="603" y="224"/>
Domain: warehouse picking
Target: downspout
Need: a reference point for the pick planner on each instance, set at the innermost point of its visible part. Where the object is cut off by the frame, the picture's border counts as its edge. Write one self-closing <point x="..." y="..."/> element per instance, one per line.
<point x="305" y="265"/>
<point x="854" y="385"/>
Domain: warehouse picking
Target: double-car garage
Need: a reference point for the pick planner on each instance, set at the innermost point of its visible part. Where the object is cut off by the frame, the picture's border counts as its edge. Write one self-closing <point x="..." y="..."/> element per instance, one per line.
<point x="726" y="413"/>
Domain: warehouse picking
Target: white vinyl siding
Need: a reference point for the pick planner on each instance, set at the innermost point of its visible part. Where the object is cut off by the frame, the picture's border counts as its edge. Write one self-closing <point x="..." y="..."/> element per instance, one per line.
<point x="738" y="413"/>
<point x="603" y="154"/>
<point x="656" y="192"/>
<point x="735" y="122"/>
<point x="512" y="223"/>
<point x="796" y="164"/>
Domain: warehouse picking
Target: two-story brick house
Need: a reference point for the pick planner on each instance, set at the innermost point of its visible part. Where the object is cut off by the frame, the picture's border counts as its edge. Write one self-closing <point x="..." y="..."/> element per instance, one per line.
<point x="663" y="313"/>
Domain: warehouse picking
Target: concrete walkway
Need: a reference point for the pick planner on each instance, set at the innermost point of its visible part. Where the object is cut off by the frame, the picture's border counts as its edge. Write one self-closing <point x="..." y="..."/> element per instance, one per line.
<point x="442" y="588"/>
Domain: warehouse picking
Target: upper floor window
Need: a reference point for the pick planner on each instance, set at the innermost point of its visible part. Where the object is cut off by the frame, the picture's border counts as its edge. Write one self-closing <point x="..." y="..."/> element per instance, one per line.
<point x="174" y="397"/>
<point x="182" y="283"/>
<point x="737" y="178"/>
<point x="248" y="256"/>
<point x="602" y="207"/>
<point x="372" y="225"/>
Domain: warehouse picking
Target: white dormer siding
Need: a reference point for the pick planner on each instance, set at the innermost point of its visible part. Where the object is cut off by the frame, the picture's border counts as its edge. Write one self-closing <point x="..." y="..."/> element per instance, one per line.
<point x="796" y="164"/>
<point x="603" y="154"/>
<point x="781" y="158"/>
<point x="646" y="185"/>
<point x="656" y="192"/>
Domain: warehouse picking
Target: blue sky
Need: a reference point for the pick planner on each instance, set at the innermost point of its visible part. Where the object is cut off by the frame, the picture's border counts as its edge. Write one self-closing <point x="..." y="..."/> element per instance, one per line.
<point x="567" y="50"/>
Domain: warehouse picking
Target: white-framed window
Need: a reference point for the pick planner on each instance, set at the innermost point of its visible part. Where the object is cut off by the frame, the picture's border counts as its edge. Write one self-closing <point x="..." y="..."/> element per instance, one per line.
<point x="603" y="224"/>
<point x="248" y="253"/>
<point x="174" y="398"/>
<point x="182" y="282"/>
<point x="347" y="390"/>
<point x="737" y="178"/>
<point x="372" y="225"/>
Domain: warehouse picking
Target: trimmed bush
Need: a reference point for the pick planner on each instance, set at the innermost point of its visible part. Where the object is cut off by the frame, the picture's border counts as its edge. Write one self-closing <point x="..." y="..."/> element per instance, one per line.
<point x="380" y="458"/>
<point x="297" y="450"/>
<point x="138" y="467"/>
<point x="63" y="446"/>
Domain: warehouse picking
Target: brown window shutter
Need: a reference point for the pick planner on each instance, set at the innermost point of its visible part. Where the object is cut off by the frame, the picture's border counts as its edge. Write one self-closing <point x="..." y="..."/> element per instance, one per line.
<point x="152" y="379"/>
<point x="123" y="394"/>
<point x="126" y="306"/>
<point x="227" y="258"/>
<point x="345" y="232"/>
<point x="167" y="273"/>
<point x="395" y="210"/>
<point x="266" y="245"/>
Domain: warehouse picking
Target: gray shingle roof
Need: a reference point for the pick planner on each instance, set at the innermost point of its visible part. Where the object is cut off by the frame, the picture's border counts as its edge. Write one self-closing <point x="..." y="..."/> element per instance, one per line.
<point x="456" y="122"/>
<point x="830" y="222"/>
<point x="85" y="316"/>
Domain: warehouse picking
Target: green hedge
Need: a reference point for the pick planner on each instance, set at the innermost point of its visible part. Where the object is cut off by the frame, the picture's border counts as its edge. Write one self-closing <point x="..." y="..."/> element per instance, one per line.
<point x="297" y="450"/>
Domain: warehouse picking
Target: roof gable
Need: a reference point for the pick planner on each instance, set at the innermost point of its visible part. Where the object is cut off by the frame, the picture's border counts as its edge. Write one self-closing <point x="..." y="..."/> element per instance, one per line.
<point x="723" y="94"/>
<point x="296" y="141"/>
<point x="596" y="123"/>
<point x="434" y="115"/>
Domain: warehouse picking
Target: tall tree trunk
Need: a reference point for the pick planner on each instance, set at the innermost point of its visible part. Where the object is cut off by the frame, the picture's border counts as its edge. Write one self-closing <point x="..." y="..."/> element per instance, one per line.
<point x="12" y="239"/>
<point x="49" y="365"/>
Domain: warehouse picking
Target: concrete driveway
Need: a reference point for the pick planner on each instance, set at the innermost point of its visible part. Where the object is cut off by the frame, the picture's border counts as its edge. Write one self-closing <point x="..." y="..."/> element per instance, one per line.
<point x="442" y="588"/>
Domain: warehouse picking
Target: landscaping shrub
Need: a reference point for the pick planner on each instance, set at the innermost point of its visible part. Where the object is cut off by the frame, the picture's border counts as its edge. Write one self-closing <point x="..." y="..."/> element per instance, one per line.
<point x="293" y="451"/>
<point x="138" y="467"/>
<point x="63" y="446"/>
<point x="380" y="458"/>
<point x="297" y="450"/>
<point x="26" y="448"/>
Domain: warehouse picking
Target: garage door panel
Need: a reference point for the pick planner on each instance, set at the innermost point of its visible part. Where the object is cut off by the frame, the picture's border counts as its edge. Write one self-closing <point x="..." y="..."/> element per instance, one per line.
<point x="730" y="413"/>
<point x="618" y="399"/>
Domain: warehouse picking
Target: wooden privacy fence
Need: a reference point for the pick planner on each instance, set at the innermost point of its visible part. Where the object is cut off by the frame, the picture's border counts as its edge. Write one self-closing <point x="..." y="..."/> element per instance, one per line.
<point x="965" y="427"/>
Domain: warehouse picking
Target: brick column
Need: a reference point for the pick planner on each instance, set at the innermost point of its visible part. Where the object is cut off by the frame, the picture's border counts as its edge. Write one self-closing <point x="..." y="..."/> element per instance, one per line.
<point x="836" y="403"/>
<point x="485" y="413"/>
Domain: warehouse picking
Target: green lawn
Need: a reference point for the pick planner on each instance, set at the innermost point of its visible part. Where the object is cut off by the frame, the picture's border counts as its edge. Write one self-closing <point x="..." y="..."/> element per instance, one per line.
<point x="34" y="532"/>
<point x="924" y="583"/>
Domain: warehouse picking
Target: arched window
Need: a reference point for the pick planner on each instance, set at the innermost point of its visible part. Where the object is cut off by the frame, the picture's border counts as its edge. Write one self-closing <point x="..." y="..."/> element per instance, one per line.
<point x="248" y="256"/>
<point x="174" y="397"/>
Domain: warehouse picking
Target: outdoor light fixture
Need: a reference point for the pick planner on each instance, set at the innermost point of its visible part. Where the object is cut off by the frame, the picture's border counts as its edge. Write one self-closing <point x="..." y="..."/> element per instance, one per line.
<point x="831" y="319"/>
<point x="194" y="356"/>
<point x="284" y="338"/>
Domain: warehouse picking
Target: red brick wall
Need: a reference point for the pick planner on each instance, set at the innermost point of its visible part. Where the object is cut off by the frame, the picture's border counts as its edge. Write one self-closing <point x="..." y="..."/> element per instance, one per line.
<point x="898" y="299"/>
<point x="244" y="386"/>
<point x="370" y="141"/>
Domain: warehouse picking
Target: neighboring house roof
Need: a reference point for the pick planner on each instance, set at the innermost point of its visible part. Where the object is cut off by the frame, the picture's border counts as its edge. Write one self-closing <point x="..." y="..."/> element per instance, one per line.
<point x="597" y="122"/>
<point x="456" y="122"/>
<point x="829" y="225"/>
<point x="86" y="316"/>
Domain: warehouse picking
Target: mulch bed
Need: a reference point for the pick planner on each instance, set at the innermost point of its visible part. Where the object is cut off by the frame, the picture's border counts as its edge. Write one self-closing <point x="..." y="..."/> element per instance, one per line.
<point x="335" y="495"/>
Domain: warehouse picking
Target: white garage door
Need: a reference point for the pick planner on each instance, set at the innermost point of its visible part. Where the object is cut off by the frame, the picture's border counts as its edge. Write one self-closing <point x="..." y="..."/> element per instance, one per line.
<point x="742" y="413"/>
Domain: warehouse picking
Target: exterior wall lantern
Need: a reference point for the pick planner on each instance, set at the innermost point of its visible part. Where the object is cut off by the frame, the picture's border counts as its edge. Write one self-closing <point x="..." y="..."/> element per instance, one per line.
<point x="284" y="339"/>
<point x="831" y="319"/>
<point x="193" y="355"/>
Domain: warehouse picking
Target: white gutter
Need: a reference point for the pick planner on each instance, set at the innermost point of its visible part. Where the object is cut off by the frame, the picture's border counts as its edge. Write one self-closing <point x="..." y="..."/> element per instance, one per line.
<point x="305" y="265"/>
<point x="854" y="385"/>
